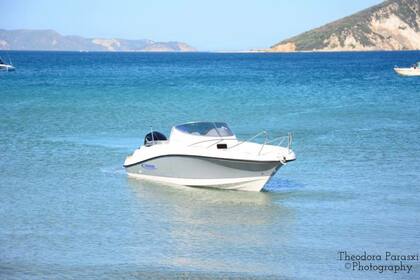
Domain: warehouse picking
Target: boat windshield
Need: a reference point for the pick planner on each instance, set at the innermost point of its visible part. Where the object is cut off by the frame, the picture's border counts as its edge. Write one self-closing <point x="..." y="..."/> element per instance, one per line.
<point x="209" y="129"/>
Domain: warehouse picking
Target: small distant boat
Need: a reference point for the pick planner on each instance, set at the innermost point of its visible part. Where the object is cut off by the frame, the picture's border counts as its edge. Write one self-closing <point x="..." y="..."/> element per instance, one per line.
<point x="411" y="71"/>
<point x="6" y="67"/>
<point x="208" y="154"/>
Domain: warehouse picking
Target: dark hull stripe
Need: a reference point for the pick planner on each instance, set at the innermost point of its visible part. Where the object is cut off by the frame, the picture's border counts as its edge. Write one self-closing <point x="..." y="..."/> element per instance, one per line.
<point x="227" y="159"/>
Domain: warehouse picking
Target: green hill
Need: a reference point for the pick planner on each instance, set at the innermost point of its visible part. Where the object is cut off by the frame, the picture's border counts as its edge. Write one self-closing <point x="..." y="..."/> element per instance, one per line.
<point x="391" y="25"/>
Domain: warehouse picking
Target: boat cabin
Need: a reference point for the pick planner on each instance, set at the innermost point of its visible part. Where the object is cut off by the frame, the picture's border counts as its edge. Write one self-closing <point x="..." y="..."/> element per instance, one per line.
<point x="194" y="132"/>
<point x="207" y="129"/>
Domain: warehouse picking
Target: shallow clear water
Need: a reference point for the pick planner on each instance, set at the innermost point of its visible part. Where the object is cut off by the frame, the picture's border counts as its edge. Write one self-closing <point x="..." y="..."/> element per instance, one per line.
<point x="67" y="209"/>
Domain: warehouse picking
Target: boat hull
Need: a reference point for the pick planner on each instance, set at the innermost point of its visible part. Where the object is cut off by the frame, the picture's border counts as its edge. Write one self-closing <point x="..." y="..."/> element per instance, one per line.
<point x="198" y="171"/>
<point x="409" y="72"/>
<point x="5" y="67"/>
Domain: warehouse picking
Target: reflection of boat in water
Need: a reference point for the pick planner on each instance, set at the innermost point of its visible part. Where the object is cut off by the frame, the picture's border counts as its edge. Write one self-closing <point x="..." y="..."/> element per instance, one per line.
<point x="208" y="154"/>
<point x="192" y="226"/>
<point x="199" y="197"/>
<point x="411" y="71"/>
<point x="6" y="67"/>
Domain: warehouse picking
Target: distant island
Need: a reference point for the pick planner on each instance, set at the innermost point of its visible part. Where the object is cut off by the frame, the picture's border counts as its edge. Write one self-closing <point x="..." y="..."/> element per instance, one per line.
<point x="50" y="40"/>
<point x="391" y="25"/>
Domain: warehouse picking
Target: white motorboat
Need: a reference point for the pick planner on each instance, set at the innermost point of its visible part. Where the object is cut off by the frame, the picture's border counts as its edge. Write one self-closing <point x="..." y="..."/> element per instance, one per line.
<point x="410" y="71"/>
<point x="208" y="154"/>
<point x="6" y="67"/>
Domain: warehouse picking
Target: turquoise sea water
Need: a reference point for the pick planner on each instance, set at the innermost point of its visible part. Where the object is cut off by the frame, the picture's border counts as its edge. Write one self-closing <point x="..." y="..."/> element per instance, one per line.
<point x="68" y="211"/>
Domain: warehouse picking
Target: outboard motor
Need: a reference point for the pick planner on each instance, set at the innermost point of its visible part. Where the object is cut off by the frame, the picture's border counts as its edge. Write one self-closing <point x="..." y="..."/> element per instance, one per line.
<point x="153" y="137"/>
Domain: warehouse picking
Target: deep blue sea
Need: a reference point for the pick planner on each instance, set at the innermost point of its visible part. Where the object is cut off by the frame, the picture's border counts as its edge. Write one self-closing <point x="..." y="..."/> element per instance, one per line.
<point x="69" y="119"/>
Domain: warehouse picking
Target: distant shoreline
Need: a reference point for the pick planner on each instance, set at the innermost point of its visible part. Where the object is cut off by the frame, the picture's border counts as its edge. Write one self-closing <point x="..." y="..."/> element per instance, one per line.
<point x="221" y="52"/>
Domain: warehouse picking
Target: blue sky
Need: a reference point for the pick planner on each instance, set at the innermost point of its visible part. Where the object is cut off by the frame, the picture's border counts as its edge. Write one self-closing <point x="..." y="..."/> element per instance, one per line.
<point x="207" y="24"/>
